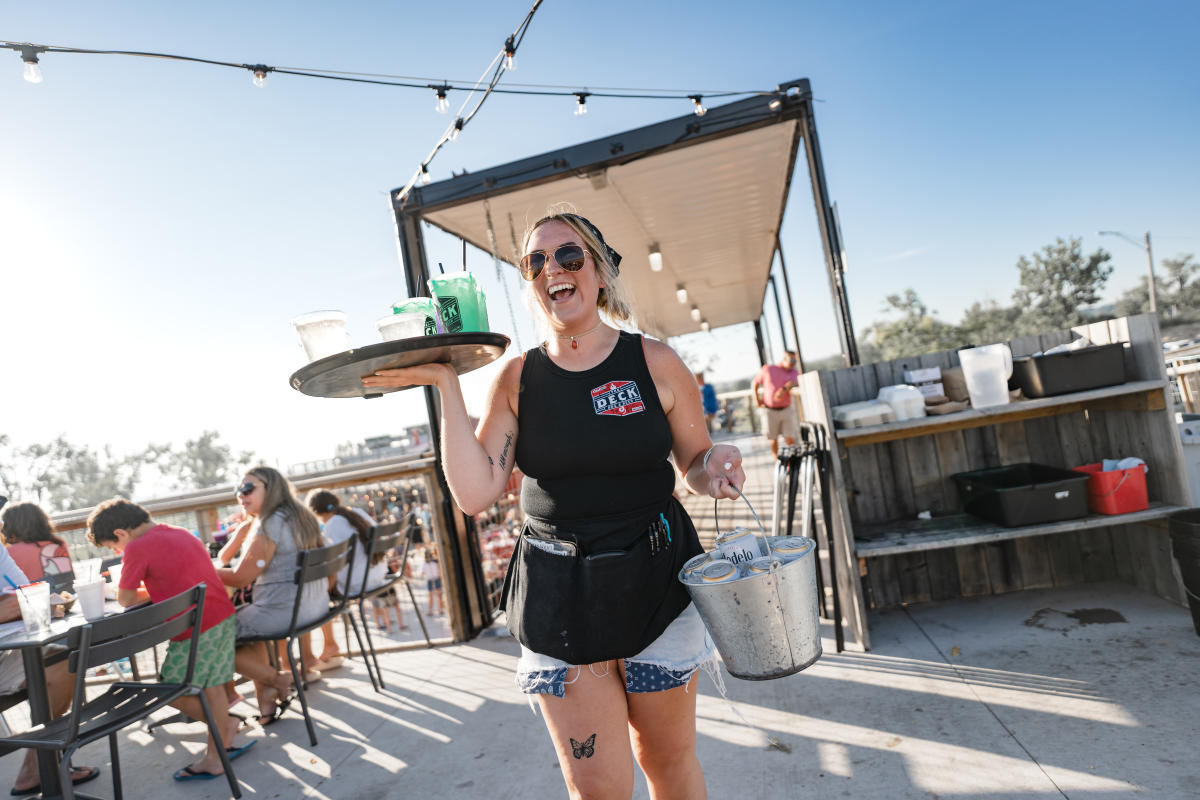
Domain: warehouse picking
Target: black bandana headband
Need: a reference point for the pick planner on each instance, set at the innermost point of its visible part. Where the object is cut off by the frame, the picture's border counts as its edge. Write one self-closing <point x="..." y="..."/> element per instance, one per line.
<point x="613" y="256"/>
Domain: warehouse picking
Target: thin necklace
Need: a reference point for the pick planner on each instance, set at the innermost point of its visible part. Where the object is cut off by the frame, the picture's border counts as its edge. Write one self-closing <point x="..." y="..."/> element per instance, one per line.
<point x="575" y="344"/>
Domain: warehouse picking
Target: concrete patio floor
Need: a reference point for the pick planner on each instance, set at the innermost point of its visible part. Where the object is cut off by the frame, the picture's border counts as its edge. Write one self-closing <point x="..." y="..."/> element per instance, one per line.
<point x="1036" y="694"/>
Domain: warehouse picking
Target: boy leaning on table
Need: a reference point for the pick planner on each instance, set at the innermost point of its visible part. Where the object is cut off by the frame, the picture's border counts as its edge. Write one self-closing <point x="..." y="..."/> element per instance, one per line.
<point x="170" y="560"/>
<point x="60" y="683"/>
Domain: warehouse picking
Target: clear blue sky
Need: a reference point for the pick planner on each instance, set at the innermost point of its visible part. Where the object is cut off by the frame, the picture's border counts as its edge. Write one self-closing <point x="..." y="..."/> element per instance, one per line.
<point x="160" y="222"/>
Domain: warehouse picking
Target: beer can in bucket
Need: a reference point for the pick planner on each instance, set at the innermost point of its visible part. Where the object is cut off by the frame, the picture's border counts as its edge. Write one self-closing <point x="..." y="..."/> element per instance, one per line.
<point x="691" y="570"/>
<point x="763" y="564"/>
<point x="718" y="571"/>
<point x="740" y="546"/>
<point x="789" y="547"/>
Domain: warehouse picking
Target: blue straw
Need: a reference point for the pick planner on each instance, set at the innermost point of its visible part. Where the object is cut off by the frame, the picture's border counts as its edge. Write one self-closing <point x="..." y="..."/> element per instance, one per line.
<point x="11" y="583"/>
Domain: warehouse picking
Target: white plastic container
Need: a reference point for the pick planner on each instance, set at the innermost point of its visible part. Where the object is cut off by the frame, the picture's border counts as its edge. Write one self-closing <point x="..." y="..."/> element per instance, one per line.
<point x="862" y="414"/>
<point x="987" y="370"/>
<point x="322" y="333"/>
<point x="906" y="401"/>
<point x="404" y="325"/>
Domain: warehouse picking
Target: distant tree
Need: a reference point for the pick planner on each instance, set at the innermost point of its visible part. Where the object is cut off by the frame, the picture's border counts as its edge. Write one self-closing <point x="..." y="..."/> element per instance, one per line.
<point x="917" y="330"/>
<point x="1058" y="284"/>
<point x="985" y="323"/>
<point x="203" y="462"/>
<point x="1136" y="299"/>
<point x="61" y="475"/>
<point x="1183" y="295"/>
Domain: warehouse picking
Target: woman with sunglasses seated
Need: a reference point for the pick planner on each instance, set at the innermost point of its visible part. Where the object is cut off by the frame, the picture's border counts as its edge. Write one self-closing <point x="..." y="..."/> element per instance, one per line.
<point x="610" y="641"/>
<point x="280" y="528"/>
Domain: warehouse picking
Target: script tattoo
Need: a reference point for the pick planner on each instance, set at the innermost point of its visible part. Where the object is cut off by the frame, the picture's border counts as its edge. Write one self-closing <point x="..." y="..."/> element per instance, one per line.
<point x="584" y="749"/>
<point x="504" y="452"/>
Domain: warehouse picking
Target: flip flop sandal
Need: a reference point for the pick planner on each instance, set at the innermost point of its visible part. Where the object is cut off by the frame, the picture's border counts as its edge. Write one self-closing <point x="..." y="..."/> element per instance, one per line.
<point x="94" y="772"/>
<point x="189" y="774"/>
<point x="270" y="719"/>
<point x="234" y="752"/>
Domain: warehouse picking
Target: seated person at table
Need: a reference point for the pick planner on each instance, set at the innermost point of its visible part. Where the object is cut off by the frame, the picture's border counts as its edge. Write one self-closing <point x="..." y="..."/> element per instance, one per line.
<point x="29" y="536"/>
<point x="60" y="683"/>
<point x="170" y="560"/>
<point x="281" y="528"/>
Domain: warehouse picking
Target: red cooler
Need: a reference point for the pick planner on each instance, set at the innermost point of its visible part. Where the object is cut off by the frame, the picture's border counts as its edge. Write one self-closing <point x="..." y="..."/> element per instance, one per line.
<point x="1117" y="491"/>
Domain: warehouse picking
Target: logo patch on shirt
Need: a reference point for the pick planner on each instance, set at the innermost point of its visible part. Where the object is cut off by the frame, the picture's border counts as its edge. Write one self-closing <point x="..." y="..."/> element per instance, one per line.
<point x="617" y="399"/>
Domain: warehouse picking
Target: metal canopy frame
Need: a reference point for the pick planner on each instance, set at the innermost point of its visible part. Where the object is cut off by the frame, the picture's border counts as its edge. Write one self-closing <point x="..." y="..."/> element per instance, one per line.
<point x="790" y="105"/>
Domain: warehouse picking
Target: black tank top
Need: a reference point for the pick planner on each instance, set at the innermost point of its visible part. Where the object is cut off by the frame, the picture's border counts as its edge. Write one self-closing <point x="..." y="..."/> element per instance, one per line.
<point x="592" y="443"/>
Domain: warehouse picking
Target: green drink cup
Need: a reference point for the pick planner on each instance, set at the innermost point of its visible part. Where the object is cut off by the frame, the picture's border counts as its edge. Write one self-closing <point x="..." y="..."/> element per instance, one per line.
<point x="459" y="302"/>
<point x="423" y="305"/>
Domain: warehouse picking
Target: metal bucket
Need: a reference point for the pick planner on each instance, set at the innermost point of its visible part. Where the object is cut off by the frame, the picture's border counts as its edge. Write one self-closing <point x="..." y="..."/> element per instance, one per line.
<point x="765" y="625"/>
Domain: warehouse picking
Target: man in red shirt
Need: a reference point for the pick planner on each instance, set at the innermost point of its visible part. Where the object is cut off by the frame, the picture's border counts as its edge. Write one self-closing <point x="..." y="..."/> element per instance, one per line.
<point x="775" y="382"/>
<point x="170" y="560"/>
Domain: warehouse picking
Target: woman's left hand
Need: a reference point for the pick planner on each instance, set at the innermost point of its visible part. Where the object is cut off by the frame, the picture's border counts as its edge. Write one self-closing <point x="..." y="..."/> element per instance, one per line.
<point x="724" y="471"/>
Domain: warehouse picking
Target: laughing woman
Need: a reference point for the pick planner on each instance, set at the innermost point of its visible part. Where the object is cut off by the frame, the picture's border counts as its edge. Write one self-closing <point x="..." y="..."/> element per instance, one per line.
<point x="610" y="642"/>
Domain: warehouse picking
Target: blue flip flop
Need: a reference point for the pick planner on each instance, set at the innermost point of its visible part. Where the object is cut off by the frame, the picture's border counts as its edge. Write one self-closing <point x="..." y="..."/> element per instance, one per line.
<point x="189" y="774"/>
<point x="234" y="752"/>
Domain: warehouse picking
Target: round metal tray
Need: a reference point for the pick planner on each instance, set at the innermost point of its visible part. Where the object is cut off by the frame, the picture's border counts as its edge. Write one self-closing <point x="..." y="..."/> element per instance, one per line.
<point x="341" y="375"/>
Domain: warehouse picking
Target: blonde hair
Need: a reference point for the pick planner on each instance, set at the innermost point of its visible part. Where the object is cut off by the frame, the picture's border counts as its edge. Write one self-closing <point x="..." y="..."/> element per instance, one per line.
<point x="613" y="301"/>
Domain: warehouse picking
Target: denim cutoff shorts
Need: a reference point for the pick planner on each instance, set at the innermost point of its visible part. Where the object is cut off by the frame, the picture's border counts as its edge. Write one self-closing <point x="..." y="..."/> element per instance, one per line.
<point x="669" y="661"/>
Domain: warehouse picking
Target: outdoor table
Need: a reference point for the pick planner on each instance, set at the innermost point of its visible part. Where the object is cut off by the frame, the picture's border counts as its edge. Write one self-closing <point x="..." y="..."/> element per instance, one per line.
<point x="35" y="684"/>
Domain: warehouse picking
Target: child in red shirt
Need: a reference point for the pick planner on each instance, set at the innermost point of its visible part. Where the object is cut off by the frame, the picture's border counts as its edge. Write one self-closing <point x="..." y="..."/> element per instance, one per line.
<point x="171" y="560"/>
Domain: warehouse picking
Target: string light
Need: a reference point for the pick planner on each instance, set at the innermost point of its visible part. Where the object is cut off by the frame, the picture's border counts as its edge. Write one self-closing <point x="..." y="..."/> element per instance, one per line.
<point x="656" y="262"/>
<point x="510" y="54"/>
<point x="33" y="71"/>
<point x="581" y="103"/>
<point x="260" y="75"/>
<point x="704" y="325"/>
<point x="695" y="314"/>
<point x="680" y="293"/>
<point x="443" y="103"/>
<point x="457" y="129"/>
<point x="425" y="176"/>
<point x="700" y="109"/>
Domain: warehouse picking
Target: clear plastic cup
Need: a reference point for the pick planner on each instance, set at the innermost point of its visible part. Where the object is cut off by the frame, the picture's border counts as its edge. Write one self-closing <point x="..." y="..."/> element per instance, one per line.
<point x="114" y="580"/>
<point x="87" y="570"/>
<point x="405" y="325"/>
<point x="34" y="600"/>
<point x="322" y="333"/>
<point x="422" y="305"/>
<point x="91" y="599"/>
<point x="459" y="300"/>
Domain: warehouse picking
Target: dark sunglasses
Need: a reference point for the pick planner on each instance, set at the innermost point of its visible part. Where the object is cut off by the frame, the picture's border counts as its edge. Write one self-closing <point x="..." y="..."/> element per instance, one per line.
<point x="570" y="257"/>
<point x="246" y="488"/>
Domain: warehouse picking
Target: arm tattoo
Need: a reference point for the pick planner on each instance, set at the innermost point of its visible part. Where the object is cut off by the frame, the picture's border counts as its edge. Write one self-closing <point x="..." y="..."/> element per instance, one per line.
<point x="504" y="452"/>
<point x="584" y="749"/>
<point x="492" y="463"/>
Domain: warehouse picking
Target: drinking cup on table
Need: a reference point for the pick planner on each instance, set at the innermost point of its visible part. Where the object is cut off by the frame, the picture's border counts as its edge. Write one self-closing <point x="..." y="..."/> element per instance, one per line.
<point x="405" y="325"/>
<point x="114" y="580"/>
<point x="322" y="333"/>
<point x="87" y="570"/>
<point x="91" y="599"/>
<point x="457" y="295"/>
<point x="34" y="600"/>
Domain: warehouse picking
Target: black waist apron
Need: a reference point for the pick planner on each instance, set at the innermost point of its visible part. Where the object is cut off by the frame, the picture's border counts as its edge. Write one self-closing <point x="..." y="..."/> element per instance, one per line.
<point x="599" y="589"/>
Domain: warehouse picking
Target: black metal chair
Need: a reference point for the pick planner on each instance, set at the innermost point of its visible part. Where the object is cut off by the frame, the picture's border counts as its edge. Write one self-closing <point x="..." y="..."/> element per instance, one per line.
<point x="311" y="565"/>
<point x="383" y="539"/>
<point x="125" y="703"/>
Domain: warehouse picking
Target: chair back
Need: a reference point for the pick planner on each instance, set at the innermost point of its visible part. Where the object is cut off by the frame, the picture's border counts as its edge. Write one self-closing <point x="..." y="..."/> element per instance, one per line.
<point x="318" y="564"/>
<point x="384" y="538"/>
<point x="125" y="635"/>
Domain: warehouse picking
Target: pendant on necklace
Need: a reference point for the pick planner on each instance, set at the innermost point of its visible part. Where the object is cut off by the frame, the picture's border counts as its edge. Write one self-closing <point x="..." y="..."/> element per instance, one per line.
<point x="574" y="344"/>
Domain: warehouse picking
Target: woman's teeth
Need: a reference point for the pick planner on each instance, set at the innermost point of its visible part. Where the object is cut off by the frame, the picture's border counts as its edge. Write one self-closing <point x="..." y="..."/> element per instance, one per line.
<point x="560" y="291"/>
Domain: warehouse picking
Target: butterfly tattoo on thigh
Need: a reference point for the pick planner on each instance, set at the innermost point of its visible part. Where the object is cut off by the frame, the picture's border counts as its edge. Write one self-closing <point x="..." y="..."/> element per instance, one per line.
<point x="584" y="749"/>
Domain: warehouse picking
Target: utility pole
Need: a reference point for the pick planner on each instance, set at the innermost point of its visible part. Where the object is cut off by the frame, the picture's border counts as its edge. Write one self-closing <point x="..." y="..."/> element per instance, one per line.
<point x="1149" y="263"/>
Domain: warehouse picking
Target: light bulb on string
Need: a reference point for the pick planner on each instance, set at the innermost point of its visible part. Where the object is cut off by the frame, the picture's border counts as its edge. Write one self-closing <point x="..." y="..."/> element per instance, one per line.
<point x="443" y="103"/>
<point x="775" y="103"/>
<point x="704" y="325"/>
<point x="581" y="103"/>
<point x="695" y="314"/>
<point x="33" y="70"/>
<point x="425" y="176"/>
<point x="656" y="261"/>
<point x="260" y="75"/>
<point x="680" y="293"/>
<point x="700" y="110"/>
<point x="458" y="126"/>
<point x="510" y="54"/>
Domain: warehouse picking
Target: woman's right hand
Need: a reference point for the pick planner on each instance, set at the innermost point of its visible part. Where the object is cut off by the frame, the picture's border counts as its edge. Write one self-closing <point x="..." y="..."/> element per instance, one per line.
<point x="439" y="375"/>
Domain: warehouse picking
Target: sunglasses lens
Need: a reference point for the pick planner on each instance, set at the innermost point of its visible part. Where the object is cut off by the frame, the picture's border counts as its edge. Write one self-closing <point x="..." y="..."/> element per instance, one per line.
<point x="531" y="265"/>
<point x="569" y="257"/>
<point x="246" y="488"/>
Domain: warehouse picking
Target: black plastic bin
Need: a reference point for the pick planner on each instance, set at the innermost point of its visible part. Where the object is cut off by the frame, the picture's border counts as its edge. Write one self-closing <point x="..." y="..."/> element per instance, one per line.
<point x="1023" y="494"/>
<point x="1072" y="371"/>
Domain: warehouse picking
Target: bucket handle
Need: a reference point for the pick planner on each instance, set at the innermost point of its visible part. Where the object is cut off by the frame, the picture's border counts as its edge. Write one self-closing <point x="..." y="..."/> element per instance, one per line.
<point x="1121" y="482"/>
<point x="762" y="532"/>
